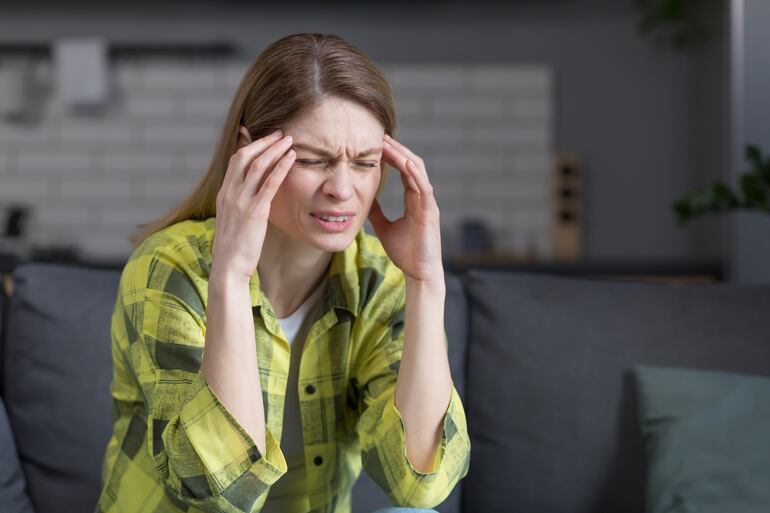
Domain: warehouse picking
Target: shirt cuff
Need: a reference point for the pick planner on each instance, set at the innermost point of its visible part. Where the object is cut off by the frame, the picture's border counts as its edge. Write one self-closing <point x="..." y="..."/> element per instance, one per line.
<point x="391" y="413"/>
<point x="224" y="447"/>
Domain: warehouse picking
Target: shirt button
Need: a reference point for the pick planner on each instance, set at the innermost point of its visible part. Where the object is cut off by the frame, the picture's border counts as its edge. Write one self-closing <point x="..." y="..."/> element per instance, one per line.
<point x="310" y="389"/>
<point x="318" y="460"/>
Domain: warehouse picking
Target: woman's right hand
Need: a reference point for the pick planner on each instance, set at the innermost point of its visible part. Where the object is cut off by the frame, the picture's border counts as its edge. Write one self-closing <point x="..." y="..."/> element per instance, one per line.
<point x="243" y="204"/>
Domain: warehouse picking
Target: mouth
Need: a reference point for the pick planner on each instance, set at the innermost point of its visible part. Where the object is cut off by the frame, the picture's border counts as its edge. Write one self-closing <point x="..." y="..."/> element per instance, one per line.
<point x="333" y="223"/>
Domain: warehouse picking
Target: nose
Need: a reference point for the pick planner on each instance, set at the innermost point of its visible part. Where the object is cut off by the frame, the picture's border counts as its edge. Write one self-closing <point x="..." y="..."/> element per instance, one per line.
<point x="339" y="182"/>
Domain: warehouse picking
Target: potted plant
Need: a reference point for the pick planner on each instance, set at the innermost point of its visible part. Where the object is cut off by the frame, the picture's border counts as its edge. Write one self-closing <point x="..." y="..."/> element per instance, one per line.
<point x="753" y="193"/>
<point x="678" y="23"/>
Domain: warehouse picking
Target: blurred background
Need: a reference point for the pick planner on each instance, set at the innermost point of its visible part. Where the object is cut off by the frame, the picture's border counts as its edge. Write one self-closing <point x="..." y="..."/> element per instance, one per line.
<point x="568" y="136"/>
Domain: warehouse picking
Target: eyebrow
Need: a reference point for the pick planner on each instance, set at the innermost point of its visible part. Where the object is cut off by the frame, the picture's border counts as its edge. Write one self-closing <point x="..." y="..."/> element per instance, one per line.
<point x="319" y="151"/>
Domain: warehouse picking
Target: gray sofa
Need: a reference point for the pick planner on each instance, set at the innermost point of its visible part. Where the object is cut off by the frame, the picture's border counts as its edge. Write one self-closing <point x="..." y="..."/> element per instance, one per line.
<point x="542" y="363"/>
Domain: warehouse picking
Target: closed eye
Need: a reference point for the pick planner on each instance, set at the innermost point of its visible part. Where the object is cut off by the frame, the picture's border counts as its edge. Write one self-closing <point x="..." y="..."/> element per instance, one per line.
<point x="307" y="162"/>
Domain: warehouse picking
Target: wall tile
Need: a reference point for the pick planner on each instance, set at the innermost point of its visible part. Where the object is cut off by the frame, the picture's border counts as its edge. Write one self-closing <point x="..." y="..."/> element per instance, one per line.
<point x="484" y="131"/>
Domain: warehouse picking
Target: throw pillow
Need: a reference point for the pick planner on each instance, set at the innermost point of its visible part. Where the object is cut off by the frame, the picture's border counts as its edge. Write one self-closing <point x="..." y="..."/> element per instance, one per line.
<point x="706" y="438"/>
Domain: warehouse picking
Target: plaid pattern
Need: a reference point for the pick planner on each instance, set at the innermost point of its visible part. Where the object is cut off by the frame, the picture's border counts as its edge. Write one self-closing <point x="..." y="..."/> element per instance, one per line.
<point x="175" y="447"/>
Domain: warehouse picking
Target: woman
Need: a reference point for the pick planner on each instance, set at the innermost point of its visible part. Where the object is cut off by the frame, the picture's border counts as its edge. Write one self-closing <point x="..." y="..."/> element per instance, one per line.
<point x="350" y="365"/>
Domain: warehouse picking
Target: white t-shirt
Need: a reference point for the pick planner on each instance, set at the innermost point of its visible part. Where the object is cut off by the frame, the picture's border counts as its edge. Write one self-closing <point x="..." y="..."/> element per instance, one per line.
<point x="286" y="494"/>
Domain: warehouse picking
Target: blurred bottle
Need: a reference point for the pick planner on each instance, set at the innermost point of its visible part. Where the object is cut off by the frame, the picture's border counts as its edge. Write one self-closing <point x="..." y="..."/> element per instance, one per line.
<point x="475" y="235"/>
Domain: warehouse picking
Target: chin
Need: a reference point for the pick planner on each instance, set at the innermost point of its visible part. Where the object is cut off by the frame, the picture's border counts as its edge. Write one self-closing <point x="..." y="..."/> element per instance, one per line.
<point x="333" y="242"/>
<point x="330" y="241"/>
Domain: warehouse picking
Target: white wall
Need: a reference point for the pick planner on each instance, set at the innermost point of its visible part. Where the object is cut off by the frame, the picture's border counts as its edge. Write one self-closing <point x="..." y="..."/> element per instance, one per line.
<point x="651" y="123"/>
<point x="485" y="133"/>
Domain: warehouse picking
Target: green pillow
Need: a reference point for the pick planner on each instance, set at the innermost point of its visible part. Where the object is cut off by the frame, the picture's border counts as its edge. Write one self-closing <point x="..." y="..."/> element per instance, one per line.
<point x="707" y="438"/>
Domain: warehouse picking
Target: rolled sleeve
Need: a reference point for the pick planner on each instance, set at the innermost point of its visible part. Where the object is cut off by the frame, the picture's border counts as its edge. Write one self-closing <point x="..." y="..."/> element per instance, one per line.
<point x="203" y="455"/>
<point x="454" y="411"/>
<point x="381" y="428"/>
<point x="202" y="451"/>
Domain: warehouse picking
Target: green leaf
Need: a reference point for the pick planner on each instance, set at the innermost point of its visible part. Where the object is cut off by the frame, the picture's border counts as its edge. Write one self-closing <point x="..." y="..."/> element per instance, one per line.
<point x="754" y="155"/>
<point x="683" y="210"/>
<point x="753" y="189"/>
<point x="763" y="170"/>
<point x="723" y="197"/>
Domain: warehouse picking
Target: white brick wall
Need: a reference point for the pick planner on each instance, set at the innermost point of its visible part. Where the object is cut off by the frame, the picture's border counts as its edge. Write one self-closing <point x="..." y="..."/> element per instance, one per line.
<point x="484" y="131"/>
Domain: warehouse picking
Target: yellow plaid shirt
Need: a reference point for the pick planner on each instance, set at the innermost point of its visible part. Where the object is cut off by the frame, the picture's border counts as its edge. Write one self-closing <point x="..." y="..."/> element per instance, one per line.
<point x="175" y="447"/>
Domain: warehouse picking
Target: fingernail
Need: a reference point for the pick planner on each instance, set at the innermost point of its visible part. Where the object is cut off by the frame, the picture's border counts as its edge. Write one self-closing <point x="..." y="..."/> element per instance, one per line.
<point x="277" y="132"/>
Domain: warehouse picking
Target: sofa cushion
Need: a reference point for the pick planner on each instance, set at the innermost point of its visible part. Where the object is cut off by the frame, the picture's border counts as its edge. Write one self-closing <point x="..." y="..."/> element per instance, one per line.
<point x="58" y="339"/>
<point x="706" y="438"/>
<point x="551" y="404"/>
<point x="57" y="370"/>
<point x="13" y="497"/>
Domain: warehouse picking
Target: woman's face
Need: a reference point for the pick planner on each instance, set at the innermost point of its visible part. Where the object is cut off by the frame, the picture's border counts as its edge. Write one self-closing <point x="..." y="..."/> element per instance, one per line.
<point x="337" y="169"/>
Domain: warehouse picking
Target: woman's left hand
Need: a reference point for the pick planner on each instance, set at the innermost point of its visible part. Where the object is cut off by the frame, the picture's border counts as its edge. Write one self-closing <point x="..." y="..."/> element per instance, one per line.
<point x="413" y="242"/>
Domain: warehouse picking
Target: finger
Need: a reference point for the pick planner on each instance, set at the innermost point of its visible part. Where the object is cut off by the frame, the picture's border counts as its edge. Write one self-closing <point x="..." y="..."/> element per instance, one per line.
<point x="406" y="181"/>
<point x="409" y="183"/>
<point x="422" y="185"/>
<point x="260" y="166"/>
<point x="406" y="151"/>
<point x="274" y="180"/>
<point x="398" y="160"/>
<point x="267" y="159"/>
<point x="241" y="159"/>
<point x="414" y="165"/>
<point x="426" y="189"/>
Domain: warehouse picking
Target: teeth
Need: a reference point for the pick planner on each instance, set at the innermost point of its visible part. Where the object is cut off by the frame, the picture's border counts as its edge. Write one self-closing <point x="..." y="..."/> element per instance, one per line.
<point x="334" y="219"/>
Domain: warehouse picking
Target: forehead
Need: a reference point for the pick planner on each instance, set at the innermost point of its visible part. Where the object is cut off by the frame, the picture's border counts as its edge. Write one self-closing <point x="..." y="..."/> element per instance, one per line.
<point x="337" y="124"/>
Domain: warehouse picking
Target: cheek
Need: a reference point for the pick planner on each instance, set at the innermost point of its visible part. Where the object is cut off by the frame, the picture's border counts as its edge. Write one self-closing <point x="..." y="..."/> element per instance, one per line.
<point x="292" y="185"/>
<point x="375" y="180"/>
<point x="296" y="191"/>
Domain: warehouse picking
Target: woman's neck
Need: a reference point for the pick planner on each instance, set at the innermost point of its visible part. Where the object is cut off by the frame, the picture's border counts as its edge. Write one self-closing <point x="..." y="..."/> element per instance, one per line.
<point x="289" y="271"/>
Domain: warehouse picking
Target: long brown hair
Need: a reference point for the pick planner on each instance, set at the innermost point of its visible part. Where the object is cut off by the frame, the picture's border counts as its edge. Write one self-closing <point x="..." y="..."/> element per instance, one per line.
<point x="291" y="75"/>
